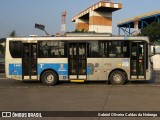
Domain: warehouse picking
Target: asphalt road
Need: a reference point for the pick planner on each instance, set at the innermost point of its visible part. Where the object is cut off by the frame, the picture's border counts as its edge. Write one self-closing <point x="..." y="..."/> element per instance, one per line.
<point x="97" y="96"/>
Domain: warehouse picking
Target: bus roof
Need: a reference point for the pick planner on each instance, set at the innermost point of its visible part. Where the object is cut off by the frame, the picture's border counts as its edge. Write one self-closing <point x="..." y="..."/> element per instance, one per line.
<point x="137" y="38"/>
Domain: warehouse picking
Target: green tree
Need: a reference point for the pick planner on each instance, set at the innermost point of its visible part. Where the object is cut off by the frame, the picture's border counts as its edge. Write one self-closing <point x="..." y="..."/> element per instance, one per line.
<point x="2" y="46"/>
<point x="12" y="34"/>
<point x="152" y="31"/>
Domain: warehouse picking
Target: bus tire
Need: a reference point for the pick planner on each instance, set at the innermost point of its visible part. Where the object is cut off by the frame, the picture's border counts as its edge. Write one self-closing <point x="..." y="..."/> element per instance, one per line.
<point x="49" y="78"/>
<point x="117" y="78"/>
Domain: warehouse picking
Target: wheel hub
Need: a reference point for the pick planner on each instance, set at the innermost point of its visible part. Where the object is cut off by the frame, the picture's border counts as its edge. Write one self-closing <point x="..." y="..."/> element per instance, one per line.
<point x="50" y="78"/>
<point x="117" y="78"/>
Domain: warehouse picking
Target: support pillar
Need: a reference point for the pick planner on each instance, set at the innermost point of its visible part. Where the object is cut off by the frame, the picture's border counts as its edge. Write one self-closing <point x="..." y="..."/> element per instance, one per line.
<point x="136" y="27"/>
<point x="119" y="31"/>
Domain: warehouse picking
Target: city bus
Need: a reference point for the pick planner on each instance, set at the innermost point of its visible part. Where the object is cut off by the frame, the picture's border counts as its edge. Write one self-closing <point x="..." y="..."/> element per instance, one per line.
<point x="78" y="58"/>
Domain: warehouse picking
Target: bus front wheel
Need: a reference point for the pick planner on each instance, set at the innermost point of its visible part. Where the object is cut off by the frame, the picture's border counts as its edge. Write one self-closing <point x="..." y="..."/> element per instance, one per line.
<point x="117" y="78"/>
<point x="49" y="78"/>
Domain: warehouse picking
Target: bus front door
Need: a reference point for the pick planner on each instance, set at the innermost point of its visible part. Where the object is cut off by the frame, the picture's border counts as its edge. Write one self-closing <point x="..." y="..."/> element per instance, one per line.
<point x="138" y="60"/>
<point x="77" y="61"/>
<point x="29" y="61"/>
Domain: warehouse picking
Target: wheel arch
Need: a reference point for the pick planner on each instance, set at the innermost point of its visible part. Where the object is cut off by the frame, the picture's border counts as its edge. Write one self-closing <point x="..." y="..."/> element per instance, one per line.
<point x="49" y="70"/>
<point x="118" y="69"/>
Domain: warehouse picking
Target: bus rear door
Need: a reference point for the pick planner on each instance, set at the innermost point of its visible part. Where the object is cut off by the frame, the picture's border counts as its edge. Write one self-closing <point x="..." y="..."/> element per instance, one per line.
<point x="138" y="60"/>
<point x="29" y="61"/>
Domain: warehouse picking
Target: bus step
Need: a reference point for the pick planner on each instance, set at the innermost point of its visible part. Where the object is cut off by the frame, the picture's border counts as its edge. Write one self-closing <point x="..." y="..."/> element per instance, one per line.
<point x="77" y="80"/>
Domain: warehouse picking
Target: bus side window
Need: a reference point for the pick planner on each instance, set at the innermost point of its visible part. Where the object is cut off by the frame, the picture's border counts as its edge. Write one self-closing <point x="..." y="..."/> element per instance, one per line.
<point x="112" y="49"/>
<point x="93" y="49"/>
<point x="15" y="48"/>
<point x="103" y="49"/>
<point x="119" y="49"/>
<point x="51" y="49"/>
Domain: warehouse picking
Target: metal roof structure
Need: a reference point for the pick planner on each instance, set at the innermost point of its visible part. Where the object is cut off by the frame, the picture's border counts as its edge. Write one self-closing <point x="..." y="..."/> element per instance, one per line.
<point x="142" y="21"/>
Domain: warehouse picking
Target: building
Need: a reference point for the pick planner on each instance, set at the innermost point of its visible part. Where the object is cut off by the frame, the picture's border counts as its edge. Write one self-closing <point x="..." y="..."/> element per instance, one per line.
<point x="132" y="26"/>
<point x="98" y="17"/>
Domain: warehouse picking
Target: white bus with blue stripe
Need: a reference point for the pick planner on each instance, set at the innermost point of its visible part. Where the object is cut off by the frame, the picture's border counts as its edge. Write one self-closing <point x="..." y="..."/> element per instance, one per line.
<point x="78" y="59"/>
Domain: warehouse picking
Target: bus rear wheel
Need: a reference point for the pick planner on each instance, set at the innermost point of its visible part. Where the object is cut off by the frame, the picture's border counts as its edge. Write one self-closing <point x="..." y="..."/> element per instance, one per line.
<point x="117" y="78"/>
<point x="49" y="78"/>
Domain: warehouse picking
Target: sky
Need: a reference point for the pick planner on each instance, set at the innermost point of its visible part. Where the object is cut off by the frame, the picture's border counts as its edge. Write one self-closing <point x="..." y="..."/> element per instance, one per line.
<point x="21" y="15"/>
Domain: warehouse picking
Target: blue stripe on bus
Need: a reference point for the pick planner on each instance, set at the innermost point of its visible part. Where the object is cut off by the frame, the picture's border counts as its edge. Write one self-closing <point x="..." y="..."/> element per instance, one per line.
<point x="88" y="70"/>
<point x="15" y="69"/>
<point x="61" y="69"/>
